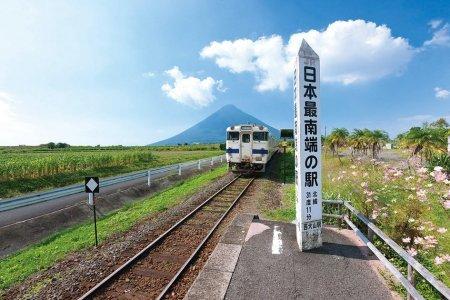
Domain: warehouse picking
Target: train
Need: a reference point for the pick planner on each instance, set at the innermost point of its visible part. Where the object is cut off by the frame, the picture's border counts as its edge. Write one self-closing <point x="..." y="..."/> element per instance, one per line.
<point x="249" y="148"/>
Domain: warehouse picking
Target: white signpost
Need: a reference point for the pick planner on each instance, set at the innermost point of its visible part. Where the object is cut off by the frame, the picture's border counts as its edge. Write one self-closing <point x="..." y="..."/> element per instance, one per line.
<point x="308" y="148"/>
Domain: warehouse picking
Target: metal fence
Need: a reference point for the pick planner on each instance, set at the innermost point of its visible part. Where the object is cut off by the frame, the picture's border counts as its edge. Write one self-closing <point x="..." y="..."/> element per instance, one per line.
<point x="54" y="194"/>
<point x="413" y="265"/>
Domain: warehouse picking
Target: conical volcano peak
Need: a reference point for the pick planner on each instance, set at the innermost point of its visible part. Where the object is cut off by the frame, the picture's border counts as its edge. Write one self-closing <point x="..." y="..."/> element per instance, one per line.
<point x="213" y="128"/>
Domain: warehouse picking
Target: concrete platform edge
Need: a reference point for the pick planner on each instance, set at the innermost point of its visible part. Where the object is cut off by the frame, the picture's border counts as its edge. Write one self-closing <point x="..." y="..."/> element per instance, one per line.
<point x="212" y="282"/>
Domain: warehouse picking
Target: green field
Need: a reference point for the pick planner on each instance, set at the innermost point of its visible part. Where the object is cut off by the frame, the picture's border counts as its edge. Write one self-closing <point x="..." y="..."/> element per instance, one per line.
<point x="16" y="267"/>
<point x="27" y="169"/>
<point x="404" y="203"/>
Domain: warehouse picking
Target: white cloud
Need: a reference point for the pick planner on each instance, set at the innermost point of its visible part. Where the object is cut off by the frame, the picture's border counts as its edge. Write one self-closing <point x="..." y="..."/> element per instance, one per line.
<point x="417" y="118"/>
<point x="191" y="90"/>
<point x="435" y="23"/>
<point x="148" y="74"/>
<point x="441" y="37"/>
<point x="351" y="51"/>
<point x="441" y="93"/>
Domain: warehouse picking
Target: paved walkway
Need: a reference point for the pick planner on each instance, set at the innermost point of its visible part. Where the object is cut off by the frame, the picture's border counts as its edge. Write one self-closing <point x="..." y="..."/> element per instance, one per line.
<point x="260" y="260"/>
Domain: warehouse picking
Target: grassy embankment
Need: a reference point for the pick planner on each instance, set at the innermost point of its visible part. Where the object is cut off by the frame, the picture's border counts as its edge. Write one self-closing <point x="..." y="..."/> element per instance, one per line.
<point x="17" y="267"/>
<point x="404" y="204"/>
<point x="28" y="169"/>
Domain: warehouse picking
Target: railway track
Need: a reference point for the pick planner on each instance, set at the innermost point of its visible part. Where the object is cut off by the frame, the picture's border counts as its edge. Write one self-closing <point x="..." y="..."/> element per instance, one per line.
<point x="152" y="272"/>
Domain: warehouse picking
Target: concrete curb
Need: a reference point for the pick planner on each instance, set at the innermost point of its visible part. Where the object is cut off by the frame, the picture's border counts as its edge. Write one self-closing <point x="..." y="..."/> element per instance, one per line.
<point x="213" y="280"/>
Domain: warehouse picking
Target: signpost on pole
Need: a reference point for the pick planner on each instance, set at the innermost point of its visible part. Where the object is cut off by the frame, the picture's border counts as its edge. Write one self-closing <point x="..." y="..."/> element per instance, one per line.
<point x="307" y="148"/>
<point x="92" y="186"/>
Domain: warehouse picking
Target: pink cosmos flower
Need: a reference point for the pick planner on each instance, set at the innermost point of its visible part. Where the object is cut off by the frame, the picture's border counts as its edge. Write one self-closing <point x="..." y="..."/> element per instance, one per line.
<point x="438" y="169"/>
<point x="418" y="240"/>
<point x="406" y="240"/>
<point x="442" y="230"/>
<point x="447" y="204"/>
<point x="430" y="242"/>
<point x="422" y="195"/>
<point x="440" y="176"/>
<point x="368" y="193"/>
<point x="422" y="170"/>
<point x="412" y="252"/>
<point x="438" y="260"/>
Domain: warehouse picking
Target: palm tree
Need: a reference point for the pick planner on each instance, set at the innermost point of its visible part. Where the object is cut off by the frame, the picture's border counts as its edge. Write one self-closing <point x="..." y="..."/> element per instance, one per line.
<point x="357" y="141"/>
<point x="426" y="140"/>
<point x="377" y="139"/>
<point x="337" y="138"/>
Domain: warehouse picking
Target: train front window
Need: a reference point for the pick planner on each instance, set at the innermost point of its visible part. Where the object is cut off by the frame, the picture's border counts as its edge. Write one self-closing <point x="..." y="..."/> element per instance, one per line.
<point x="260" y="136"/>
<point x="246" y="138"/>
<point x="232" y="136"/>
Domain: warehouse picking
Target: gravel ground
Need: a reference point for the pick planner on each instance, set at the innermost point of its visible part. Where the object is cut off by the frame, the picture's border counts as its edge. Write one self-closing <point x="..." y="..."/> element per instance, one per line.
<point x="80" y="271"/>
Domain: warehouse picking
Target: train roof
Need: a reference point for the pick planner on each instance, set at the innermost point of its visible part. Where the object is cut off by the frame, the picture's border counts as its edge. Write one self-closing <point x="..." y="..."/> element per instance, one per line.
<point x="252" y="127"/>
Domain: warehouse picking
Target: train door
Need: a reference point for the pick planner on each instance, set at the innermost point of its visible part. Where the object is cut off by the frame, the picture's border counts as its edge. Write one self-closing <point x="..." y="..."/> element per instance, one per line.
<point x="246" y="147"/>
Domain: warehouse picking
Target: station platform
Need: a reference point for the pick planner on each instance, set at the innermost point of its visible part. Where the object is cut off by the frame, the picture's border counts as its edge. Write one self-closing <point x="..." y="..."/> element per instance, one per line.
<point x="259" y="259"/>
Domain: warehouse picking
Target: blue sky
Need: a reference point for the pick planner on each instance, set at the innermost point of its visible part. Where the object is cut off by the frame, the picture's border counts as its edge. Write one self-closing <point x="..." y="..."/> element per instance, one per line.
<point x="132" y="73"/>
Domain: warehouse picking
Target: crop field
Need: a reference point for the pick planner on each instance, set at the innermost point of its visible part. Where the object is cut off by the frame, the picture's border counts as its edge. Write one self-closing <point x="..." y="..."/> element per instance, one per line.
<point x="27" y="169"/>
<point x="409" y="202"/>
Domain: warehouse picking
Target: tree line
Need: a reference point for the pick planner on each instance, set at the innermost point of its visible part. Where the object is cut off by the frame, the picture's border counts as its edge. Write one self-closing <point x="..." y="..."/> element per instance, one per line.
<point x="427" y="141"/>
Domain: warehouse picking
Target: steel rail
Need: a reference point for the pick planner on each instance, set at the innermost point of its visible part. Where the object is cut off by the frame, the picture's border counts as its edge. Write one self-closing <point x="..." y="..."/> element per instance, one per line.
<point x="53" y="194"/>
<point x="200" y="246"/>
<point x="150" y="246"/>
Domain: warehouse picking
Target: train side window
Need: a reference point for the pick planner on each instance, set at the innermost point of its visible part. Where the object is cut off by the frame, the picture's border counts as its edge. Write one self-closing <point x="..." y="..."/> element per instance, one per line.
<point x="260" y="136"/>
<point x="233" y="136"/>
<point x="246" y="138"/>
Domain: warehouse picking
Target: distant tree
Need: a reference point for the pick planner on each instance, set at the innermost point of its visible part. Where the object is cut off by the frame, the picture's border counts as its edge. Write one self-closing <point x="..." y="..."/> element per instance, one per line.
<point x="51" y="145"/>
<point x="186" y="144"/>
<point x="62" y="145"/>
<point x="441" y="122"/>
<point x="222" y="146"/>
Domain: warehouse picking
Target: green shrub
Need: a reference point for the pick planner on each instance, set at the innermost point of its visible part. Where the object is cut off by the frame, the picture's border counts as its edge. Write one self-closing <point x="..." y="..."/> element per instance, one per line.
<point x="441" y="160"/>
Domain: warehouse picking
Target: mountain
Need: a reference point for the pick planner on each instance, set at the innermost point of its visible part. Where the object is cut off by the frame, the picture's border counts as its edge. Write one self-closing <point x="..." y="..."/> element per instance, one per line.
<point x="212" y="129"/>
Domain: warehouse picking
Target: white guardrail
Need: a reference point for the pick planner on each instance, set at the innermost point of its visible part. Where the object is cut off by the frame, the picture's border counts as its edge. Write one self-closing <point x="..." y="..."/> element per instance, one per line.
<point x="413" y="265"/>
<point x="38" y="197"/>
